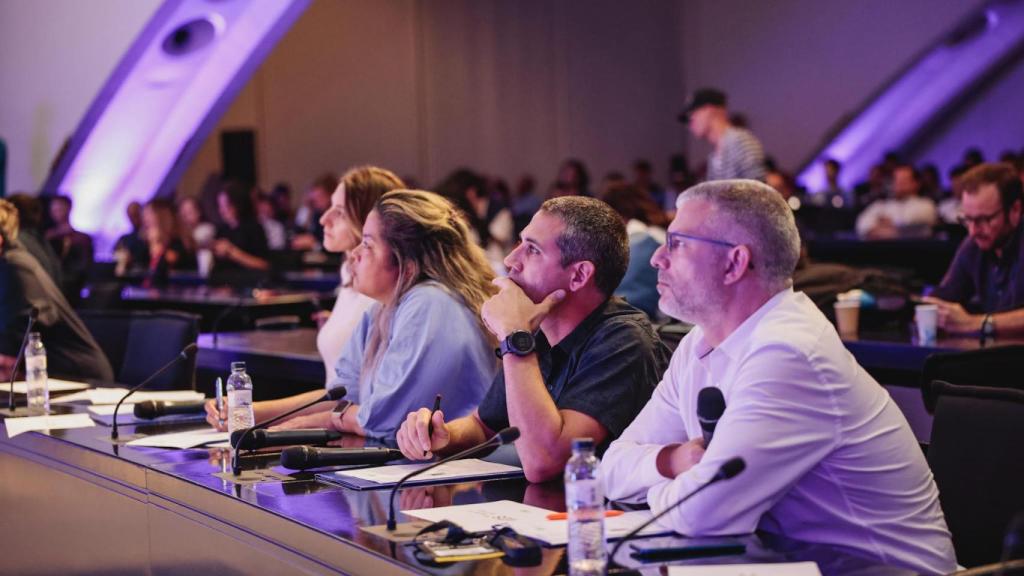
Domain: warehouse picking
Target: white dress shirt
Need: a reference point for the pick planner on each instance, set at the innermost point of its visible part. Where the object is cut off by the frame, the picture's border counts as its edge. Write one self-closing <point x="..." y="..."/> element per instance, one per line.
<point x="830" y="458"/>
<point x="913" y="216"/>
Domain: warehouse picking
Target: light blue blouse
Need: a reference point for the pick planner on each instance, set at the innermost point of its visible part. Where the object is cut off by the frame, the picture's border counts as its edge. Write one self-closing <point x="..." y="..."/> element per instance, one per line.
<point x="435" y="347"/>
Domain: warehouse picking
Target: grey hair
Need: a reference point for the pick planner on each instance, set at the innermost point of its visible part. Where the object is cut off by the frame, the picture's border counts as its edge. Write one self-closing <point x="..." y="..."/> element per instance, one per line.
<point x="758" y="213"/>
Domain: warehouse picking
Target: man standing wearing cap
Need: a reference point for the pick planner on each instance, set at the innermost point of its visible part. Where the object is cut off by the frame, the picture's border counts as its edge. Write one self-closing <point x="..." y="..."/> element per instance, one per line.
<point x="737" y="152"/>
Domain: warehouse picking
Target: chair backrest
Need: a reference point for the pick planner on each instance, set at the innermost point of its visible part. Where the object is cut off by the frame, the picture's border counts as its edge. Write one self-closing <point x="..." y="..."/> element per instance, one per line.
<point x="977" y="457"/>
<point x="998" y="366"/>
<point x="138" y="343"/>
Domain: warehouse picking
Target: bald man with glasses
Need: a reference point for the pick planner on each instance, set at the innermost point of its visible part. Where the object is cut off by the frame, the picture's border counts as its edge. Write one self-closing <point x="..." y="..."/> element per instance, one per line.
<point x="983" y="291"/>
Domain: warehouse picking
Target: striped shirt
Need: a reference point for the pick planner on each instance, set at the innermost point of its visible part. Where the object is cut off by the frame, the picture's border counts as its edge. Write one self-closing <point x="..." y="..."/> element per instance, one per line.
<point x="739" y="155"/>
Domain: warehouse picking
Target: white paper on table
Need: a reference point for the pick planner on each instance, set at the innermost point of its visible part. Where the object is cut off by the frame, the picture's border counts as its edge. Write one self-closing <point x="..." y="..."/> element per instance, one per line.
<point x="52" y="384"/>
<point x="781" y="569"/>
<point x="530" y="520"/>
<point x="108" y="409"/>
<point x="113" y="395"/>
<point x="16" y="426"/>
<point x="189" y="439"/>
<point x="469" y="467"/>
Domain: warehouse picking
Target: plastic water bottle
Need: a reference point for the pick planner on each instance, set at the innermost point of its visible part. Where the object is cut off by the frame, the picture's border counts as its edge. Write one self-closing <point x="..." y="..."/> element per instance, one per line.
<point x="35" y="375"/>
<point x="240" y="414"/>
<point x="584" y="502"/>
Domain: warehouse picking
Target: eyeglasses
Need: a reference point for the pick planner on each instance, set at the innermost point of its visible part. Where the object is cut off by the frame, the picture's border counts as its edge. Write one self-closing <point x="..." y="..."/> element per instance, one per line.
<point x="678" y="239"/>
<point x="983" y="220"/>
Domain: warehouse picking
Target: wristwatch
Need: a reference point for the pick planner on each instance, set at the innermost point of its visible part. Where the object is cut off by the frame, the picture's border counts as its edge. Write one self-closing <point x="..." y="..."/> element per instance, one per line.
<point x="988" y="326"/>
<point x="519" y="343"/>
<point x="338" y="413"/>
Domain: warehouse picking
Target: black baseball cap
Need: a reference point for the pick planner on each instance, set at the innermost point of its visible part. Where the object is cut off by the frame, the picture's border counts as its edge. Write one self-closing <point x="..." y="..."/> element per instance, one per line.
<point x="701" y="97"/>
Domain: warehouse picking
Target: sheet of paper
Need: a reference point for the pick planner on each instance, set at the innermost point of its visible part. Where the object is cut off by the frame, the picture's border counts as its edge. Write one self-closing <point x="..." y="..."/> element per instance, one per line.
<point x="112" y="395"/>
<point x="190" y="439"/>
<point x="108" y="409"/>
<point x="782" y="569"/>
<point x="450" y="471"/>
<point x="16" y="426"/>
<point x="54" y="384"/>
<point x="530" y="520"/>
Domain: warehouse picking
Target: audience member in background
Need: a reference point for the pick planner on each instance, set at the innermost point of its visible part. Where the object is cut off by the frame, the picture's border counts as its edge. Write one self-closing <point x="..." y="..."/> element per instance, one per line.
<point x="277" y="236"/>
<point x="573" y="179"/>
<point x="645" y="227"/>
<point x="194" y="231"/>
<point x="130" y="248"/>
<point x="164" y="250"/>
<point x="423" y="336"/>
<point x="241" y="241"/>
<point x="281" y="196"/>
<point x="949" y="207"/>
<point x="490" y="221"/>
<point x="30" y="236"/>
<point x="931" y="183"/>
<point x="832" y="195"/>
<point x="783" y="184"/>
<point x="73" y="248"/>
<point x="830" y="459"/>
<point x="973" y="157"/>
<point x="358" y="191"/>
<point x="310" y="234"/>
<point x="643" y="179"/>
<point x="680" y="178"/>
<point x="983" y="291"/>
<point x="525" y="203"/>
<point x="905" y="215"/>
<point x="71" y="351"/>
<point x="736" y="153"/>
<point x="576" y="362"/>
<point x="876" y="187"/>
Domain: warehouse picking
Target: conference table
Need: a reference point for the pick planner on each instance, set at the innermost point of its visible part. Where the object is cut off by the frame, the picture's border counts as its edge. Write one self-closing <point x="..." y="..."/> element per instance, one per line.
<point x="76" y="503"/>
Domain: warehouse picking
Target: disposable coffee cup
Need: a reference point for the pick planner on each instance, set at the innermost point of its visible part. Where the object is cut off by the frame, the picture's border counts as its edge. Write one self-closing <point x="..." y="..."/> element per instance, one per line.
<point x="847" y="317"/>
<point x="926" y="319"/>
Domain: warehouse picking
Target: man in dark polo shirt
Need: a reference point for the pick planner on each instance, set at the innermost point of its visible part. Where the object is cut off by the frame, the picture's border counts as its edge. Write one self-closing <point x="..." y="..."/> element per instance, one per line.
<point x="575" y="362"/>
<point x="983" y="291"/>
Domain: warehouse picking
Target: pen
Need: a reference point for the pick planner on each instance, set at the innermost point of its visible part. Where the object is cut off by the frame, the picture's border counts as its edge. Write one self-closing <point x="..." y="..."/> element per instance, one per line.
<point x="220" y="398"/>
<point x="565" y="515"/>
<point x="430" y="425"/>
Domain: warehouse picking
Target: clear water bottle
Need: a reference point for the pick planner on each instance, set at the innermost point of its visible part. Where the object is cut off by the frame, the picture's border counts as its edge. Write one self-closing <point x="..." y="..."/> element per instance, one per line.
<point x="584" y="502"/>
<point x="240" y="414"/>
<point x="35" y="375"/>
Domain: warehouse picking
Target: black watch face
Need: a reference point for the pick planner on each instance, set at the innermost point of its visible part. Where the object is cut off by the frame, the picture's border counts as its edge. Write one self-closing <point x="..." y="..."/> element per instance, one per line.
<point x="520" y="341"/>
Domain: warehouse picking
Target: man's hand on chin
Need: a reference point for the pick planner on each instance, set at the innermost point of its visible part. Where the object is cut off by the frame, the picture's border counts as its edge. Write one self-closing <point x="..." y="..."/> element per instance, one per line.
<point x="511" y="309"/>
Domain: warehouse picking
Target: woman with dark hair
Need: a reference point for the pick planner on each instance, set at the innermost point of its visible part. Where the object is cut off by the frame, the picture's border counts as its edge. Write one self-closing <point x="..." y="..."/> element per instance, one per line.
<point x="241" y="241"/>
<point x="423" y="335"/>
<point x="164" y="250"/>
<point x="573" y="179"/>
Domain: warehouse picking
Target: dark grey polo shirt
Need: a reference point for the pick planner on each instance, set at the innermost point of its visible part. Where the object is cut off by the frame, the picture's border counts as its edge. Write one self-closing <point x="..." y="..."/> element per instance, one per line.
<point x="982" y="282"/>
<point x="606" y="368"/>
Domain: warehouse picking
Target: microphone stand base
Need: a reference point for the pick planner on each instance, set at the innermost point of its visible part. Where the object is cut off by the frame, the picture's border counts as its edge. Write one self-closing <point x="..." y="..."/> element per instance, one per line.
<point x="122" y="438"/>
<point x="404" y="532"/>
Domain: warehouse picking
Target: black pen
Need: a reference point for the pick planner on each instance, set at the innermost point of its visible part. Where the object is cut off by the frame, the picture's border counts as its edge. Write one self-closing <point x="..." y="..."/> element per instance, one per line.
<point x="430" y="425"/>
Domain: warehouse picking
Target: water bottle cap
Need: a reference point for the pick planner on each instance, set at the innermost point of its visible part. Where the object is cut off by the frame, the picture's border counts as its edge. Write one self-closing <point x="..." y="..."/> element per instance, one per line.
<point x="579" y="444"/>
<point x="236" y="366"/>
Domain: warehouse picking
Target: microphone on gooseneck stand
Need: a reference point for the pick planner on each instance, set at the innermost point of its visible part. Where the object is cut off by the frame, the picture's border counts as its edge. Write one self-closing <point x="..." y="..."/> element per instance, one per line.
<point x="183" y="355"/>
<point x="303" y="457"/>
<point x="332" y="395"/>
<point x="710" y="406"/>
<point x="506" y="436"/>
<point x="727" y="470"/>
<point x="33" y="315"/>
<point x="268" y="438"/>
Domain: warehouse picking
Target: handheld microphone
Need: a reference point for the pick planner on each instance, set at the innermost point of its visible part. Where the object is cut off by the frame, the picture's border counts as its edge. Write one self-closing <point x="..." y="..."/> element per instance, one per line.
<point x="265" y="438"/>
<point x="150" y="409"/>
<point x="506" y="436"/>
<point x="302" y="457"/>
<point x="183" y="355"/>
<point x="729" y="469"/>
<point x="33" y="315"/>
<point x="332" y="395"/>
<point x="710" y="406"/>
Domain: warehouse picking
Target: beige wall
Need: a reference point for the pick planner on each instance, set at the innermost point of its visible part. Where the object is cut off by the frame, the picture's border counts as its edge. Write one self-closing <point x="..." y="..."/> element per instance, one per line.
<point x="425" y="87"/>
